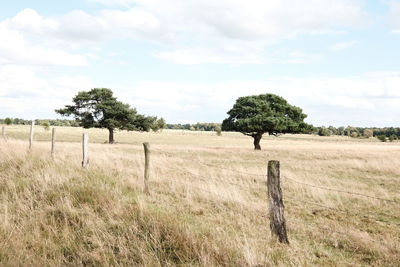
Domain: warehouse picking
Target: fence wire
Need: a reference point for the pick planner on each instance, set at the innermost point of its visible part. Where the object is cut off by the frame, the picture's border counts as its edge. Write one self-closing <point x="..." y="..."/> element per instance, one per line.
<point x="233" y="171"/>
<point x="207" y="179"/>
<point x="250" y="189"/>
<point x="347" y="212"/>
<point x="285" y="177"/>
<point x="292" y="180"/>
<point x="338" y="190"/>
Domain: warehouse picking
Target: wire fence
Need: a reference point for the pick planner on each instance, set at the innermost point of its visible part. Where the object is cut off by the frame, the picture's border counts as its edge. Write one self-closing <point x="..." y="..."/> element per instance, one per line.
<point x="207" y="179"/>
<point x="299" y="182"/>
<point x="263" y="189"/>
<point x="294" y="201"/>
<point x="213" y="177"/>
<point x="363" y="215"/>
<point x="288" y="198"/>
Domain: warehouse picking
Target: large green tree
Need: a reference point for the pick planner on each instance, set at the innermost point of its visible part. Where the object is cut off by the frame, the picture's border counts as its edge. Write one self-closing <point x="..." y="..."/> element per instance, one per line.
<point x="267" y="113"/>
<point x="98" y="108"/>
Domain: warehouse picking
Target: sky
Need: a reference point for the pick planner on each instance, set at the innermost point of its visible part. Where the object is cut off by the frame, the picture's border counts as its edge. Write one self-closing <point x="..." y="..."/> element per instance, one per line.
<point x="189" y="60"/>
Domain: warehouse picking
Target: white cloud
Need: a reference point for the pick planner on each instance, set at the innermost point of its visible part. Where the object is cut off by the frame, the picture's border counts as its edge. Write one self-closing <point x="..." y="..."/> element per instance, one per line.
<point x="365" y="100"/>
<point x="114" y="2"/>
<point x="134" y="19"/>
<point x="254" y="19"/>
<point x="77" y="28"/>
<point x="67" y="83"/>
<point x="16" y="49"/>
<point x="338" y="101"/>
<point x="196" y="32"/>
<point x="342" y="45"/>
<point x="241" y="55"/>
<point x="207" y="28"/>
<point x="201" y="55"/>
<point x="235" y="53"/>
<point x="394" y="16"/>
<point x="20" y="82"/>
<point x="29" y="20"/>
<point x="23" y="93"/>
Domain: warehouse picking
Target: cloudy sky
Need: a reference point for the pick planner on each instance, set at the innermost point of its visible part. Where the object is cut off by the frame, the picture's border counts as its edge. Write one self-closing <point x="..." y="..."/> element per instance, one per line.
<point x="189" y="60"/>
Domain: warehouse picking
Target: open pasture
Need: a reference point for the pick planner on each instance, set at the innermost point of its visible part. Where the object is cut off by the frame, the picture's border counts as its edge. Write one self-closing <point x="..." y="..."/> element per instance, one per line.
<point x="208" y="200"/>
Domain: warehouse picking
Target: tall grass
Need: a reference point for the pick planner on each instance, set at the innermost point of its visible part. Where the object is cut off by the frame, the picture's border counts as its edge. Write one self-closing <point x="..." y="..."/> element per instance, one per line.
<point x="208" y="202"/>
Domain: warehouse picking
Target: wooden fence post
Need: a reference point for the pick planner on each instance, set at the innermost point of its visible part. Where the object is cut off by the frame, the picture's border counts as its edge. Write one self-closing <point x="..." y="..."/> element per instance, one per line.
<point x="276" y="207"/>
<point x="53" y="142"/>
<point x="146" y="167"/>
<point x="3" y="132"/>
<point x="31" y="135"/>
<point x="85" y="150"/>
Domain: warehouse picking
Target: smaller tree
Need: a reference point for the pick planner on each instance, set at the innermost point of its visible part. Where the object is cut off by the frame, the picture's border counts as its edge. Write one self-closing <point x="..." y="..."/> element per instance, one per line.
<point x="333" y="130"/>
<point x="354" y="134"/>
<point x="158" y="125"/>
<point x="368" y="133"/>
<point x="218" y="130"/>
<point x="382" y="138"/>
<point x="46" y="125"/>
<point x="341" y="130"/>
<point x="324" y="132"/>
<point x="8" y="121"/>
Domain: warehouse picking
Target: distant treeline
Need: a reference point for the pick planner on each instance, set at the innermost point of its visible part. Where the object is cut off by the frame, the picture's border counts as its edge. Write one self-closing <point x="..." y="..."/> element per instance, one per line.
<point x="57" y="122"/>
<point x="390" y="132"/>
<point x="157" y="124"/>
<point x="323" y="131"/>
<point x="72" y="123"/>
<point x="196" y="127"/>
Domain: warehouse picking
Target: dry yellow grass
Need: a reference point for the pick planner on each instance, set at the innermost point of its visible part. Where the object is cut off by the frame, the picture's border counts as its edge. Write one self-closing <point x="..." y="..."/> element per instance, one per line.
<point x="208" y="201"/>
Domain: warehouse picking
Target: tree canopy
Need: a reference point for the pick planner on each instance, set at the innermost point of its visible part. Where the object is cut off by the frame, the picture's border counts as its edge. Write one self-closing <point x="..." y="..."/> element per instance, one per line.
<point x="98" y="108"/>
<point x="266" y="113"/>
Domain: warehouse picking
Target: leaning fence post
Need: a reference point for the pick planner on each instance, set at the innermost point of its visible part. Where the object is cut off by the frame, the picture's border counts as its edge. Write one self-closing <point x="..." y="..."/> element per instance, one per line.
<point x="3" y="132"/>
<point x="31" y="135"/>
<point x="276" y="207"/>
<point x="85" y="150"/>
<point x="53" y="142"/>
<point x="146" y="167"/>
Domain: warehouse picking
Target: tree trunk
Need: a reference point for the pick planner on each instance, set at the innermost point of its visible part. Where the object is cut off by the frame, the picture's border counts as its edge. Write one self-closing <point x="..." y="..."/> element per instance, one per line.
<point x="257" y="138"/>
<point x="111" y="136"/>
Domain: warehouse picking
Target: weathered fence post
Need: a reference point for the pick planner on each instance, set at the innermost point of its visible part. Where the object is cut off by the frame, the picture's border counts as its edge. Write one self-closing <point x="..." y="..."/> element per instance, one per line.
<point x="276" y="207"/>
<point x="31" y="135"/>
<point x="3" y="132"/>
<point x="53" y="142"/>
<point x="85" y="150"/>
<point x="146" y="167"/>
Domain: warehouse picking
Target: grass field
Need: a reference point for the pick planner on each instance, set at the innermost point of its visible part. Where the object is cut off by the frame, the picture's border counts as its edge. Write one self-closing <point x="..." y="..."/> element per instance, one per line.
<point x="208" y="201"/>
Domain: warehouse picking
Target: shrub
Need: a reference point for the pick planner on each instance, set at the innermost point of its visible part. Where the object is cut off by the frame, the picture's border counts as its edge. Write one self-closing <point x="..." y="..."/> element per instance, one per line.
<point x="218" y="130"/>
<point x="368" y="133"/>
<point x="158" y="125"/>
<point x="324" y="132"/>
<point x="382" y="138"/>
<point x="8" y="121"/>
<point x="46" y="125"/>
<point x="353" y="134"/>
